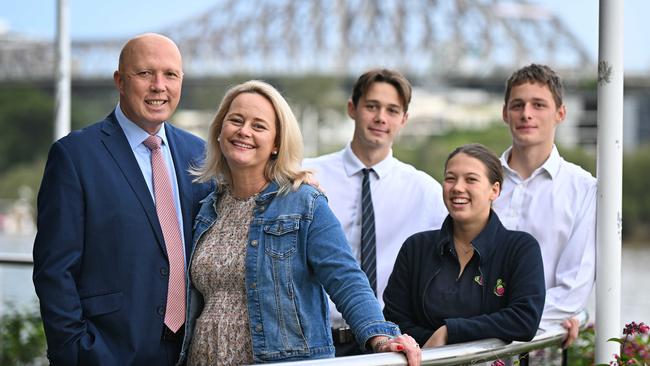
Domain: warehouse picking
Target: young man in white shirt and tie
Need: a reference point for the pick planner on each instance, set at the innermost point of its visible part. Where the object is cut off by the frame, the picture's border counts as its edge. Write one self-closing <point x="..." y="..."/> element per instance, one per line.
<point x="401" y="200"/>
<point x="547" y="196"/>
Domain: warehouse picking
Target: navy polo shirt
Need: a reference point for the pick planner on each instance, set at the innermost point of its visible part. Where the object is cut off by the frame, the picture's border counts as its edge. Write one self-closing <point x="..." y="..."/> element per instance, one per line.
<point x="450" y="296"/>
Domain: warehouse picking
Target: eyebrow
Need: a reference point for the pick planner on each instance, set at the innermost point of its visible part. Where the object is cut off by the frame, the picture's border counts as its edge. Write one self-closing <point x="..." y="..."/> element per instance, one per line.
<point x="389" y="104"/>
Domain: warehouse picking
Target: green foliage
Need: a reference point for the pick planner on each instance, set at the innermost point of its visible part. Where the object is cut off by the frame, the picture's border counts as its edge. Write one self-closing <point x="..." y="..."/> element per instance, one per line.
<point x="22" y="175"/>
<point x="429" y="155"/>
<point x="22" y="339"/>
<point x="636" y="196"/>
<point x="26" y="117"/>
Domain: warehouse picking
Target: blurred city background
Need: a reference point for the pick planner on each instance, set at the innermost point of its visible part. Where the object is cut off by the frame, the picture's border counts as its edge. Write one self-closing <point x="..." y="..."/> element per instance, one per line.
<point x="457" y="53"/>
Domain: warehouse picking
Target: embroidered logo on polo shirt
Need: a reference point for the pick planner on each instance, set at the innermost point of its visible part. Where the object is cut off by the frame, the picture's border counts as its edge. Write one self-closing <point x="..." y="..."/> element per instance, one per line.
<point x="479" y="280"/>
<point x="500" y="288"/>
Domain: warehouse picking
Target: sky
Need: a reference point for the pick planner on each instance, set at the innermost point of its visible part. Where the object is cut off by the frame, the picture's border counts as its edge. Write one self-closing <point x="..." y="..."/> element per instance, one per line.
<point x="108" y="19"/>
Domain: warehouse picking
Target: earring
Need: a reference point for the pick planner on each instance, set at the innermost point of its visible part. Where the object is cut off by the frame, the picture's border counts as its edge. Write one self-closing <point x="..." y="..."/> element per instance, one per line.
<point x="274" y="152"/>
<point x="219" y="139"/>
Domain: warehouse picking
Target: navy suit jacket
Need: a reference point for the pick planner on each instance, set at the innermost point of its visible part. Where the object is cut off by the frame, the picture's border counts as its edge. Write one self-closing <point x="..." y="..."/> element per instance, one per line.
<point x="100" y="264"/>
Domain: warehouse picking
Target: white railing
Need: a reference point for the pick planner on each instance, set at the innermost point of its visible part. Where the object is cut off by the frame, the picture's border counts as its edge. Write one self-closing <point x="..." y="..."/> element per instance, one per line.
<point x="456" y="354"/>
<point x="16" y="258"/>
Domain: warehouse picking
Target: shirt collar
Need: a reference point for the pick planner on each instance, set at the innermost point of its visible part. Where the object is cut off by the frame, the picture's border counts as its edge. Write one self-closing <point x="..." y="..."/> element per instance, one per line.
<point x="485" y="241"/>
<point x="134" y="134"/>
<point x="353" y="165"/>
<point x="551" y="165"/>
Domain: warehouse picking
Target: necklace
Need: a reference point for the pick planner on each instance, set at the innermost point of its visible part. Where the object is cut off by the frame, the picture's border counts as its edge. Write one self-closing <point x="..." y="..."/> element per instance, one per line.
<point x="461" y="249"/>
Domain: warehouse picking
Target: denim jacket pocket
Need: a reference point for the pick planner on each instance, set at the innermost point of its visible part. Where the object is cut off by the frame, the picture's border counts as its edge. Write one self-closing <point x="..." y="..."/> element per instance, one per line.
<point x="281" y="236"/>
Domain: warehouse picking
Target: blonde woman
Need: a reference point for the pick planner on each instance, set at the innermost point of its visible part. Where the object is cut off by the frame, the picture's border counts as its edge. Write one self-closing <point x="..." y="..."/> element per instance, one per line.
<point x="266" y="247"/>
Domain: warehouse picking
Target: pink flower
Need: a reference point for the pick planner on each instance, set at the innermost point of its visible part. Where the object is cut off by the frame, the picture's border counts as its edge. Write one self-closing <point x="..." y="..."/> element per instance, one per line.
<point x="644" y="328"/>
<point x="498" y="363"/>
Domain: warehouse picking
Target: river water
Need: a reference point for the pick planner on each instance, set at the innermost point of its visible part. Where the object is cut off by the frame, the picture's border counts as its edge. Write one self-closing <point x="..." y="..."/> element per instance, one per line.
<point x="16" y="288"/>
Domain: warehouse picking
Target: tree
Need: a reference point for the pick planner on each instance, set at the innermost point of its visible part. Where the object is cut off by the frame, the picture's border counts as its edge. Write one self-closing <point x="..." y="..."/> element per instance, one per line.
<point x="26" y="116"/>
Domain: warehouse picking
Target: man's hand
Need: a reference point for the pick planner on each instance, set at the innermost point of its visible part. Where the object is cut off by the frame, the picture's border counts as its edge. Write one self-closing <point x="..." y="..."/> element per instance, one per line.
<point x="573" y="329"/>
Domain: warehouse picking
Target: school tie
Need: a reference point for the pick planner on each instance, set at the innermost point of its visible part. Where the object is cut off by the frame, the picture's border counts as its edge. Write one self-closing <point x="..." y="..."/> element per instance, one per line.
<point x="166" y="210"/>
<point x="368" y="256"/>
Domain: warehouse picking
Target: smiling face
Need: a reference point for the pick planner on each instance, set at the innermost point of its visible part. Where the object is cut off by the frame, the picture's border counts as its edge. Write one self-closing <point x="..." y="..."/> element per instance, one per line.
<point x="247" y="137"/>
<point x="467" y="191"/>
<point x="532" y="115"/>
<point x="378" y="117"/>
<point x="149" y="80"/>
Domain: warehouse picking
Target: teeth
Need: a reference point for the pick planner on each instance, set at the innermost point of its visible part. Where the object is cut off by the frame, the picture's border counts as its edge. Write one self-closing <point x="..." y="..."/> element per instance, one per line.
<point x="241" y="144"/>
<point x="460" y="200"/>
<point x="156" y="102"/>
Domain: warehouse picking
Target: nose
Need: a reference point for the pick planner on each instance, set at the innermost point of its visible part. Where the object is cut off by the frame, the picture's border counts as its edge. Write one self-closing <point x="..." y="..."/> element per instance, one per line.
<point x="158" y="83"/>
<point x="458" y="186"/>
<point x="528" y="109"/>
<point x="380" y="115"/>
<point x="244" y="130"/>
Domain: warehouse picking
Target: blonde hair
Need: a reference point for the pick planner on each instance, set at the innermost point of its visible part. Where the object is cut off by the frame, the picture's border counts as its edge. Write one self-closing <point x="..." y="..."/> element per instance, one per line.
<point x="283" y="168"/>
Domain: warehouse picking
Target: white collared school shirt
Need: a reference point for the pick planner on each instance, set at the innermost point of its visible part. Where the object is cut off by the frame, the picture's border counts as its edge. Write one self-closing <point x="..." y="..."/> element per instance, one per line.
<point x="557" y="205"/>
<point x="405" y="201"/>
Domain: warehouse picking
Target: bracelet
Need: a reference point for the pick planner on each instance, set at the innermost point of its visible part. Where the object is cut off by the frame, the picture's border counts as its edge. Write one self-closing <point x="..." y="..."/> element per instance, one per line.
<point x="380" y="344"/>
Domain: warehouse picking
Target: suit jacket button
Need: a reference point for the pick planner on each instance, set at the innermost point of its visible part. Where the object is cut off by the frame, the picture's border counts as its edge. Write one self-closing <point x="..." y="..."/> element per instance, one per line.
<point x="160" y="311"/>
<point x="164" y="271"/>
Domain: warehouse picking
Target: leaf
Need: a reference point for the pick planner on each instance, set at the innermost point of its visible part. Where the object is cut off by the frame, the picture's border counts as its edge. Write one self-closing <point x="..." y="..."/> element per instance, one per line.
<point x="618" y="340"/>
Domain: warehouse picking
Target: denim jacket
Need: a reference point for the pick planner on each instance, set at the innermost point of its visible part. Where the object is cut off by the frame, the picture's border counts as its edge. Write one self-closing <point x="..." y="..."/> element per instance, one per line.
<point x="296" y="251"/>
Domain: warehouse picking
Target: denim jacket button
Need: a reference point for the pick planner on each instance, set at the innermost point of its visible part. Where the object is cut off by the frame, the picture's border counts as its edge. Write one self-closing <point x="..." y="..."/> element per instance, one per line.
<point x="254" y="243"/>
<point x="258" y="328"/>
<point x="254" y="285"/>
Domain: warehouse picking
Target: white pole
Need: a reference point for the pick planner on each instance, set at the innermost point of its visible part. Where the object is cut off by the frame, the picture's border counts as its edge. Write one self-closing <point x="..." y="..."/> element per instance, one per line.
<point x="610" y="179"/>
<point x="62" y="101"/>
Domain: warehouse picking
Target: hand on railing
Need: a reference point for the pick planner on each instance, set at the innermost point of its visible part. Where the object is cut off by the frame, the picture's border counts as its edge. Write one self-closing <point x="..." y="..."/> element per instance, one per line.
<point x="572" y="325"/>
<point x="403" y="343"/>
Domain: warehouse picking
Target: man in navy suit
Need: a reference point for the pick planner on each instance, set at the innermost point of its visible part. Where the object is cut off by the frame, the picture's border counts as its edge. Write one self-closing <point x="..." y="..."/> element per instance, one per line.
<point x="100" y="261"/>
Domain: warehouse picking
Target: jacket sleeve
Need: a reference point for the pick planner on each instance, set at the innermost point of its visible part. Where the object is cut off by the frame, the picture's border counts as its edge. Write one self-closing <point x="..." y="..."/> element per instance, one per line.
<point x="399" y="296"/>
<point x="57" y="261"/>
<point x="519" y="319"/>
<point x="342" y="278"/>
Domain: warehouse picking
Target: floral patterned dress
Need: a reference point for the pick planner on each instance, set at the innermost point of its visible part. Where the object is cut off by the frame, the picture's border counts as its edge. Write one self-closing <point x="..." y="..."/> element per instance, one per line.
<point x="222" y="333"/>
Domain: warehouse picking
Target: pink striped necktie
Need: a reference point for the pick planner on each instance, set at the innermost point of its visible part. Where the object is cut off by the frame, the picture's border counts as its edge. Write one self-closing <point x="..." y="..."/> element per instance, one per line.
<point x="166" y="210"/>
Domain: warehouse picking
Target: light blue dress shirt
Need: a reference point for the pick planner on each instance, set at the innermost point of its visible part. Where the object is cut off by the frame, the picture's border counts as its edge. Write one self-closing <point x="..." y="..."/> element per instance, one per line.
<point x="135" y="136"/>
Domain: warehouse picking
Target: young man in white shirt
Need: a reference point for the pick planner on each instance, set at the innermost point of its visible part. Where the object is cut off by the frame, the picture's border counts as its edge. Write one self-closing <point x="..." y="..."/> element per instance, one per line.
<point x="404" y="200"/>
<point x="546" y="196"/>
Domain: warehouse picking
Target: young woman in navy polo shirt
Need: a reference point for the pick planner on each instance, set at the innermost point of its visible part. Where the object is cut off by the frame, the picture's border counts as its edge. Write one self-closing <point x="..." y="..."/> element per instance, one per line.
<point x="473" y="278"/>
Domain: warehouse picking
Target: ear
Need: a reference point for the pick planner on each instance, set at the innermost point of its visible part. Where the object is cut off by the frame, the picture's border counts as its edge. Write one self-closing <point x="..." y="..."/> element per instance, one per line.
<point x="560" y="114"/>
<point x="352" y="110"/>
<point x="405" y="119"/>
<point x="496" y="190"/>
<point x="504" y="113"/>
<point x="117" y="79"/>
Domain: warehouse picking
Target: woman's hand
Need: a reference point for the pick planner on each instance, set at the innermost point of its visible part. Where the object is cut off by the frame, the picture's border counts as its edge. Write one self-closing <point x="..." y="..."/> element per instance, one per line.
<point x="438" y="338"/>
<point x="404" y="343"/>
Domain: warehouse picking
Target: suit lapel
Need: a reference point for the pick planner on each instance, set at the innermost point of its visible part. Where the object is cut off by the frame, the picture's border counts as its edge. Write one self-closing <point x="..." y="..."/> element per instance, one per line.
<point x="182" y="163"/>
<point x="117" y="145"/>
